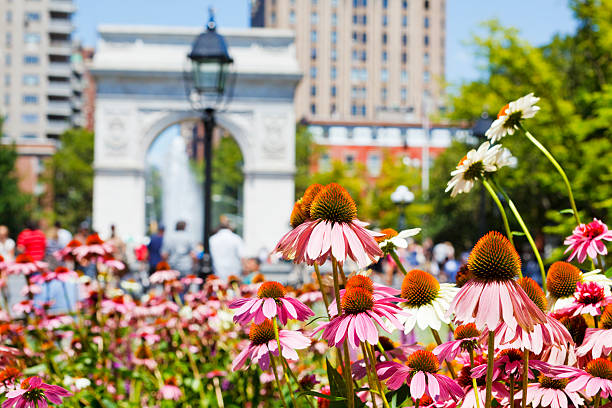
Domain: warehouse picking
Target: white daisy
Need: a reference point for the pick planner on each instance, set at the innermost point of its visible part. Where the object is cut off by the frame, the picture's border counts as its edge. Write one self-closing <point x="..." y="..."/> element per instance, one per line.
<point x="487" y="159"/>
<point x="593" y="276"/>
<point x="510" y="115"/>
<point x="427" y="301"/>
<point x="392" y="239"/>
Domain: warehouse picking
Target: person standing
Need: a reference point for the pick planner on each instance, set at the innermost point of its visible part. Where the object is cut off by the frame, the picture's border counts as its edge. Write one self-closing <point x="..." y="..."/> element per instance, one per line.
<point x="32" y="241"/>
<point x="155" y="248"/>
<point x="63" y="235"/>
<point x="178" y="249"/>
<point x="7" y="245"/>
<point x="227" y="251"/>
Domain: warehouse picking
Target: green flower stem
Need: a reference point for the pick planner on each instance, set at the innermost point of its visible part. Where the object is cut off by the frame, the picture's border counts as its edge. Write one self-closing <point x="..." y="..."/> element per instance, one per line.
<point x="284" y="363"/>
<point x="370" y="378"/>
<point x="322" y="288"/>
<point x="372" y="355"/>
<point x="436" y="335"/>
<point x="384" y="352"/>
<point x="558" y="167"/>
<point x="597" y="401"/>
<point x="525" y="377"/>
<point x="489" y="188"/>
<point x="278" y="385"/>
<point x="347" y="360"/>
<point x="518" y="217"/>
<point x="218" y="393"/>
<point x="490" y="355"/>
<point x="511" y="391"/>
<point x="397" y="261"/>
<point x="474" y="383"/>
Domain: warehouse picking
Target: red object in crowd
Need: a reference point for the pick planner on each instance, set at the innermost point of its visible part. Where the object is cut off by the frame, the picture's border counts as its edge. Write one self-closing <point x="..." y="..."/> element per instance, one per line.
<point x="34" y="243"/>
<point x="141" y="253"/>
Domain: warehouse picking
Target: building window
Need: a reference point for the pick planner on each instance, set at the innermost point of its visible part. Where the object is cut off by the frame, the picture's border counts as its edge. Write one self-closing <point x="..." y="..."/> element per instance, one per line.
<point x="313" y="72"/>
<point x="29" y="136"/>
<point x="332" y="109"/>
<point x="292" y="17"/>
<point x="334" y="3"/>
<point x="404" y="4"/>
<point x="364" y="56"/>
<point x="32" y="16"/>
<point x="31" y="38"/>
<point x="324" y="162"/>
<point x="29" y="118"/>
<point x="334" y="19"/>
<point x="7" y="79"/>
<point x="426" y="40"/>
<point x="426" y="22"/>
<point x="313" y="54"/>
<point x="404" y="39"/>
<point x="404" y="57"/>
<point x="404" y="21"/>
<point x="7" y="102"/>
<point x="374" y="164"/>
<point x="313" y="109"/>
<point x="404" y="94"/>
<point x="7" y="60"/>
<point x="364" y="38"/>
<point x="355" y="55"/>
<point x="31" y="79"/>
<point x="355" y="36"/>
<point x="354" y="110"/>
<point x="31" y="59"/>
<point x="384" y="56"/>
<point x="426" y="76"/>
<point x="349" y="160"/>
<point x="385" y="20"/>
<point x="314" y="18"/>
<point x="30" y="99"/>
<point x="313" y="36"/>
<point x="313" y="91"/>
<point x="355" y="18"/>
<point x="334" y="54"/>
<point x="363" y="110"/>
<point x="334" y="37"/>
<point x="333" y="90"/>
<point x="384" y="38"/>
<point x="426" y="4"/>
<point x="8" y="39"/>
<point x="384" y="75"/>
<point x="383" y="94"/>
<point x="385" y="4"/>
<point x="333" y="73"/>
<point x="9" y="16"/>
<point x="404" y="76"/>
<point x="364" y="20"/>
<point x="426" y="58"/>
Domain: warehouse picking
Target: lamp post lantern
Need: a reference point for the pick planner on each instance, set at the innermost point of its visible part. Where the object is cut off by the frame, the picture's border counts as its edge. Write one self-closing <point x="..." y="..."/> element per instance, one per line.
<point x="478" y="131"/>
<point x="401" y="197"/>
<point x="210" y="62"/>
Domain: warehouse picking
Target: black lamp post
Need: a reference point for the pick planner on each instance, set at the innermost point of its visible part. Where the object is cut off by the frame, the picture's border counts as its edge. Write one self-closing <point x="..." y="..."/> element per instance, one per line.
<point x="401" y="197"/>
<point x="209" y="71"/>
<point x="480" y="128"/>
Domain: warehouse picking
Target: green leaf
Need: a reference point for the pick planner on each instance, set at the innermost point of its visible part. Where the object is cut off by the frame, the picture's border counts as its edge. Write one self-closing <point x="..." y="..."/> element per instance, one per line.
<point x="567" y="211"/>
<point x="397" y="397"/>
<point x="336" y="382"/>
<point x="321" y="395"/>
<point x="518" y="233"/>
<point x="608" y="272"/>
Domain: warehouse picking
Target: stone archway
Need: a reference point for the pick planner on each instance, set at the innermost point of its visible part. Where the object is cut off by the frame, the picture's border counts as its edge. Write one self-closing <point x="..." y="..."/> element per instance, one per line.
<point x="138" y="96"/>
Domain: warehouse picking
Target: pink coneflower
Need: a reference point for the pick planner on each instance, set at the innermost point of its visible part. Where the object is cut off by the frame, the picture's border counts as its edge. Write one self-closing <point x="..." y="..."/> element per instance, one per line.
<point x="589" y="298"/>
<point x="553" y="392"/>
<point x="361" y="281"/>
<point x="163" y="273"/>
<point x="25" y="307"/>
<point x="509" y="363"/>
<point x="169" y="391"/>
<point x="66" y="253"/>
<point x="493" y="295"/>
<point x="263" y="342"/>
<point x="191" y="280"/>
<point x="394" y="351"/>
<point x="25" y="265"/>
<point x="332" y="229"/>
<point x="118" y="304"/>
<point x="93" y="247"/>
<point x="34" y="393"/>
<point x="112" y="263"/>
<point x="464" y="379"/>
<point x="360" y="314"/>
<point x="596" y="377"/>
<point x="598" y="342"/>
<point x="466" y="339"/>
<point x="588" y="240"/>
<point x="420" y="373"/>
<point x="270" y="302"/>
<point x="30" y="290"/>
<point x="144" y="357"/>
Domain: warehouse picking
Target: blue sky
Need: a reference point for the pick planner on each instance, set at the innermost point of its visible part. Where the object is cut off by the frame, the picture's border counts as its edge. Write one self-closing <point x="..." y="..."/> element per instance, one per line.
<point x="537" y="20"/>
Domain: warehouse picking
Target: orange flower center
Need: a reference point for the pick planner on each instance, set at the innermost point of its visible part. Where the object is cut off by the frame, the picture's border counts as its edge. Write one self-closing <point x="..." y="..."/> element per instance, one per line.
<point x="419" y="288"/>
<point x="360" y="281"/>
<point x="162" y="266"/>
<point x="272" y="290"/>
<point x="24" y="258"/>
<point x="535" y="293"/>
<point x="389" y="233"/>
<point x="357" y="300"/>
<point x="600" y="367"/>
<point x="562" y="279"/>
<point x="513" y="354"/>
<point x="493" y="258"/>
<point x="423" y="360"/>
<point x="334" y="204"/>
<point x="554" y="383"/>
<point x="466" y="331"/>
<point x="93" y="239"/>
<point x="261" y="333"/>
<point x="606" y="318"/>
<point x="298" y="214"/>
<point x="309" y="195"/>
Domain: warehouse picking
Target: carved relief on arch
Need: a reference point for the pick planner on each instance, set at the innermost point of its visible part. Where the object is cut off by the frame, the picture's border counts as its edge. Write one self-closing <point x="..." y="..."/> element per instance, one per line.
<point x="273" y="141"/>
<point x="116" y="139"/>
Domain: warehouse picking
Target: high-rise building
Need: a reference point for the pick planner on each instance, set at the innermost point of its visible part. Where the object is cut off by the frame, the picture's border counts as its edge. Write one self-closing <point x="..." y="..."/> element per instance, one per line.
<point x="40" y="81"/>
<point x="363" y="60"/>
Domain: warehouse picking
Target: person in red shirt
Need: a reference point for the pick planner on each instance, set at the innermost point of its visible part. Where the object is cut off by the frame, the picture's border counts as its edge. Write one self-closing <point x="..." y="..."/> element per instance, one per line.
<point x="32" y="241"/>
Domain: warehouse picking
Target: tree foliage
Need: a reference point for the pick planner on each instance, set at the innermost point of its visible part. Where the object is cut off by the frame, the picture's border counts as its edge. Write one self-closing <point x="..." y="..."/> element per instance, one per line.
<point x="14" y="205"/>
<point x="572" y="76"/>
<point x="70" y="178"/>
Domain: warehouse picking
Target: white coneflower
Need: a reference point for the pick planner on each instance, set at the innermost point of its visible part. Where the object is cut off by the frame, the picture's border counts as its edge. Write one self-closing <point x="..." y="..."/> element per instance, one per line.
<point x="393" y="239"/>
<point x="475" y="164"/>
<point x="510" y="115"/>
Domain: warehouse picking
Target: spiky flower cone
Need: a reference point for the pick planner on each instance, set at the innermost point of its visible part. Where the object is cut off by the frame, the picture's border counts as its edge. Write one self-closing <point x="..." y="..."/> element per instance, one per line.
<point x="333" y="204"/>
<point x="562" y="279"/>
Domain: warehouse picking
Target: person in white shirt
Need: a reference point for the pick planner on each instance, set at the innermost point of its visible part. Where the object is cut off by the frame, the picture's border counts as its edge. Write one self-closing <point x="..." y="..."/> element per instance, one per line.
<point x="227" y="251"/>
<point x="7" y="245"/>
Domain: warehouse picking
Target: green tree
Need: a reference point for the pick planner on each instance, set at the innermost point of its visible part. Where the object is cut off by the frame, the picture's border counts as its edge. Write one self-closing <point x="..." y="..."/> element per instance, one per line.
<point x="70" y="178"/>
<point x="572" y="77"/>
